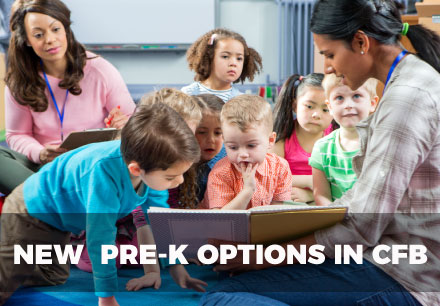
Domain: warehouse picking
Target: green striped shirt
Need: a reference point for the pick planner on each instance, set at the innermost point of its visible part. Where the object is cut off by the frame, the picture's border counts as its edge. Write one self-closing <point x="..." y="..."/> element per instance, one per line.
<point x="329" y="157"/>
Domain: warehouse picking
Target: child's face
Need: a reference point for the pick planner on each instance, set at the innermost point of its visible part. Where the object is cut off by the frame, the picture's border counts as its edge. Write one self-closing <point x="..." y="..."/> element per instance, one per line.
<point x="227" y="64"/>
<point x="166" y="179"/>
<point x="350" y="107"/>
<point x="248" y="147"/>
<point x="47" y="36"/>
<point x="312" y="113"/>
<point x="209" y="136"/>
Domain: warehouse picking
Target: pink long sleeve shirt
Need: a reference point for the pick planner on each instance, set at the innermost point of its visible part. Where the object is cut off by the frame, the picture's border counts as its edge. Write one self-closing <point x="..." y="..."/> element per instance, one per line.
<point x="103" y="89"/>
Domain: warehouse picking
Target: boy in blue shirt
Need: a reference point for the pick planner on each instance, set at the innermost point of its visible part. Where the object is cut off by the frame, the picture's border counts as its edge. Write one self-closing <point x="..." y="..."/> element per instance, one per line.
<point x="89" y="189"/>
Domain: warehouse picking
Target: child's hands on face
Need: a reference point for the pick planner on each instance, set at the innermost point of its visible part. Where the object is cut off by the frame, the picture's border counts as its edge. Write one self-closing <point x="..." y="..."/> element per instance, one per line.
<point x="184" y="280"/>
<point x="248" y="173"/>
<point x="151" y="279"/>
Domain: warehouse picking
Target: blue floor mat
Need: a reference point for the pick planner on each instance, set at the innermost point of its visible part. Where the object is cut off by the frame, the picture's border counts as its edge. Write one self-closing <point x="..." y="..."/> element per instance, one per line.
<point x="72" y="292"/>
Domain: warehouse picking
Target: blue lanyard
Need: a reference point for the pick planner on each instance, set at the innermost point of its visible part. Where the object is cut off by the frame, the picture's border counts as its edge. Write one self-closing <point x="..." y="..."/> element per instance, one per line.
<point x="60" y="114"/>
<point x="393" y="66"/>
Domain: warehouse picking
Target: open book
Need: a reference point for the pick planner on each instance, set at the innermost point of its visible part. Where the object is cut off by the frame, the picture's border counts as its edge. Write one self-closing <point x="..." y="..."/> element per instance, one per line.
<point x="259" y="225"/>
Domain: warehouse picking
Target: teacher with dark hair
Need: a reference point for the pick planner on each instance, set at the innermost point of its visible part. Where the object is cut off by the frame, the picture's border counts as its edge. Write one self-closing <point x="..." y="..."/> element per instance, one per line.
<point x="396" y="200"/>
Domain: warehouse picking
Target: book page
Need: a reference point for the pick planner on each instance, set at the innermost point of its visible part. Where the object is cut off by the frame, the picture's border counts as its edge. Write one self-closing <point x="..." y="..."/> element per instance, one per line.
<point x="194" y="227"/>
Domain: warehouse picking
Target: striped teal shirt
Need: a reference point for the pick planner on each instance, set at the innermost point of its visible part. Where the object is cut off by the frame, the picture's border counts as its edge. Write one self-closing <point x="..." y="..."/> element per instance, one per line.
<point x="329" y="157"/>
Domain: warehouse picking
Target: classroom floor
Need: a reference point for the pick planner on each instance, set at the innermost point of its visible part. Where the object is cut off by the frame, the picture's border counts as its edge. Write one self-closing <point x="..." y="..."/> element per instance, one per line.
<point x="78" y="290"/>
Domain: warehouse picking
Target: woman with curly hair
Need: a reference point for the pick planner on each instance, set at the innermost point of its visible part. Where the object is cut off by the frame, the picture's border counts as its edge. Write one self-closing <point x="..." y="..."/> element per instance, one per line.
<point x="54" y="87"/>
<point x="220" y="58"/>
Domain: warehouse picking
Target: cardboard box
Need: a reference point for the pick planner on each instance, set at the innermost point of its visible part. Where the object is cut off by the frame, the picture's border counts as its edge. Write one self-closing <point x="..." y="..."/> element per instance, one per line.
<point x="2" y="90"/>
<point x="429" y="14"/>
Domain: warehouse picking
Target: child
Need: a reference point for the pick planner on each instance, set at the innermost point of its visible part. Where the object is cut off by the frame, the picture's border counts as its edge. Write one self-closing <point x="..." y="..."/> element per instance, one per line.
<point x="303" y="96"/>
<point x="90" y="188"/>
<point x="186" y="106"/>
<point x="209" y="135"/>
<point x="332" y="155"/>
<point x="190" y="111"/>
<point x="220" y="58"/>
<point x="248" y="176"/>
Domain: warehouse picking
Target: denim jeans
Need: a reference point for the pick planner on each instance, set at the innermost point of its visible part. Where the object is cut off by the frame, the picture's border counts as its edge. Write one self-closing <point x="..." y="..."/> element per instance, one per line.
<point x="301" y="285"/>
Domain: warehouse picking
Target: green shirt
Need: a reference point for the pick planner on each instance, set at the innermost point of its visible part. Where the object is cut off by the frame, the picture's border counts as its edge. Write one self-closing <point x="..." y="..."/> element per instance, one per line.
<point x="329" y="157"/>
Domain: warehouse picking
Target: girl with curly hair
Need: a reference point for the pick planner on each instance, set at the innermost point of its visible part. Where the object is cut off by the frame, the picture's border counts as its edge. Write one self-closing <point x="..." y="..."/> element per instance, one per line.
<point x="221" y="58"/>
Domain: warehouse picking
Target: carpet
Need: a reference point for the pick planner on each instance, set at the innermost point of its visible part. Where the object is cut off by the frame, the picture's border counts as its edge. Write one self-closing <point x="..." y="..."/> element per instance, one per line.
<point x="78" y="290"/>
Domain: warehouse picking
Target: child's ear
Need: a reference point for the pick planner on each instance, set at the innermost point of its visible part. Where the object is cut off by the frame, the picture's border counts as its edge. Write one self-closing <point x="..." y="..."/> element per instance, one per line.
<point x="374" y="102"/>
<point x="134" y="169"/>
<point x="272" y="138"/>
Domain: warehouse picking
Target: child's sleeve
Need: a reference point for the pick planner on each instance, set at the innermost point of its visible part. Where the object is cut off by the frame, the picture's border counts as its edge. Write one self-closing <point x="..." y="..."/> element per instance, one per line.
<point x="315" y="161"/>
<point x="103" y="205"/>
<point x="220" y="188"/>
<point x="283" y="190"/>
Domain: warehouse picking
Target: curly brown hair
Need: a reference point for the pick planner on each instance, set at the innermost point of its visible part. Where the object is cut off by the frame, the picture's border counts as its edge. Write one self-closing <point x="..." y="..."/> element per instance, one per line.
<point x="22" y="77"/>
<point x="201" y="54"/>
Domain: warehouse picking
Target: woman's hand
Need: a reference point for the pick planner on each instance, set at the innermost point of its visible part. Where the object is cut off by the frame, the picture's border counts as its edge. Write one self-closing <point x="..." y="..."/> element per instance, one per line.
<point x="236" y="265"/>
<point x="184" y="280"/>
<point x="49" y="153"/>
<point x="151" y="279"/>
<point x="116" y="118"/>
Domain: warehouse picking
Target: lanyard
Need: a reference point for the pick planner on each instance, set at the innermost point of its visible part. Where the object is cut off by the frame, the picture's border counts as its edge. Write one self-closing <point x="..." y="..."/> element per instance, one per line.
<point x="60" y="114"/>
<point x="393" y="66"/>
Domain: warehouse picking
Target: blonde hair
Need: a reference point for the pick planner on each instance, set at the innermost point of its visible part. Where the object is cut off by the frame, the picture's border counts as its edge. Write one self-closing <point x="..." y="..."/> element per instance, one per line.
<point x="186" y="106"/>
<point x="244" y="110"/>
<point x="331" y="81"/>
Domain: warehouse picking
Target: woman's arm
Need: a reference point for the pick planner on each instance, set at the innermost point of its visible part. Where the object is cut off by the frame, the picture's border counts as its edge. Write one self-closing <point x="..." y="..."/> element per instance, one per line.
<point x="321" y="190"/>
<point x="19" y="129"/>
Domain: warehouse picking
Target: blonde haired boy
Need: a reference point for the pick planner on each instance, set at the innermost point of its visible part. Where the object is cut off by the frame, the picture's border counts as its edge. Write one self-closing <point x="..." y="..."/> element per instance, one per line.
<point x="186" y="106"/>
<point x="331" y="159"/>
<point x="249" y="176"/>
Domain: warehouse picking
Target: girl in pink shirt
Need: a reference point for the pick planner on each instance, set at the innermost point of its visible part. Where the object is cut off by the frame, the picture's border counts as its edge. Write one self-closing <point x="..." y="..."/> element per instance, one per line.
<point x="54" y="87"/>
<point x="301" y="118"/>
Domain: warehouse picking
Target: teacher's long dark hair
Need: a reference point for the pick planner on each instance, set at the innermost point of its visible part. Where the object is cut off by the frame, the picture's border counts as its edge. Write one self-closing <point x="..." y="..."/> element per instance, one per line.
<point x="379" y="19"/>
<point x="22" y="78"/>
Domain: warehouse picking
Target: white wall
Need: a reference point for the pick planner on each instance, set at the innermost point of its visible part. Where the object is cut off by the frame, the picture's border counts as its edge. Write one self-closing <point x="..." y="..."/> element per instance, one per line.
<point x="256" y="20"/>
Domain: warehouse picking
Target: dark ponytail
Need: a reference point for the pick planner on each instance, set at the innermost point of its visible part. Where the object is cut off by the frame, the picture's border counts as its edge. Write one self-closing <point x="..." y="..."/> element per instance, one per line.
<point x="426" y="43"/>
<point x="379" y="19"/>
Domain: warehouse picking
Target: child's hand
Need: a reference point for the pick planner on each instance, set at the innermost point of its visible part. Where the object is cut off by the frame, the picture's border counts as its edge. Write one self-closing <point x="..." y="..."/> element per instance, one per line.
<point x="116" y="119"/>
<point x="302" y="195"/>
<point x="248" y="173"/>
<point x="108" y="301"/>
<point x="184" y="280"/>
<point x="151" y="279"/>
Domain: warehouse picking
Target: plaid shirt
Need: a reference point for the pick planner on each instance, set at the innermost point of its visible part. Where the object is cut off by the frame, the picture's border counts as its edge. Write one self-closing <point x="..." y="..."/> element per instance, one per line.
<point x="273" y="183"/>
<point x="396" y="199"/>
